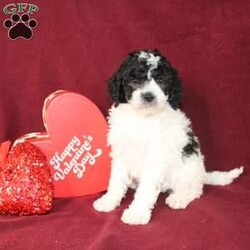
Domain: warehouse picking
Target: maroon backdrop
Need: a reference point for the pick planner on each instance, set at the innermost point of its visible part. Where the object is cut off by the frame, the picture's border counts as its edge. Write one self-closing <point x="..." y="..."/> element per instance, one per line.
<point x="77" y="46"/>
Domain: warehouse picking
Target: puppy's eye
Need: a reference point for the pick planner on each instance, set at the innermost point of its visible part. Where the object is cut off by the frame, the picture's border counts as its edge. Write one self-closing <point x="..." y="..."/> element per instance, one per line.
<point x="159" y="80"/>
<point x="135" y="82"/>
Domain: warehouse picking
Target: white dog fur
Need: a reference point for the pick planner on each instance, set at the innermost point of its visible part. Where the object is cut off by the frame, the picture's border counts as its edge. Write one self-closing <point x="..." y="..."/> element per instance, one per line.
<point x="147" y="140"/>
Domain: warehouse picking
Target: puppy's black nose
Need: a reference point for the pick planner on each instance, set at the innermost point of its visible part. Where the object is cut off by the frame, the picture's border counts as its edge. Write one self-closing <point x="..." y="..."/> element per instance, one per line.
<point x="148" y="97"/>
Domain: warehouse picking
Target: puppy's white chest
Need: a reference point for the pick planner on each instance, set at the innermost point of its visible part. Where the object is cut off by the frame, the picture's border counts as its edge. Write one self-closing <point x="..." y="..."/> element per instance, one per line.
<point x="133" y="140"/>
<point x="145" y="143"/>
<point x="127" y="129"/>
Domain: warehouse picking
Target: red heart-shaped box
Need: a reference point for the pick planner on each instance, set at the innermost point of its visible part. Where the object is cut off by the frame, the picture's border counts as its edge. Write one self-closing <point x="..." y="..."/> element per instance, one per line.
<point x="74" y="144"/>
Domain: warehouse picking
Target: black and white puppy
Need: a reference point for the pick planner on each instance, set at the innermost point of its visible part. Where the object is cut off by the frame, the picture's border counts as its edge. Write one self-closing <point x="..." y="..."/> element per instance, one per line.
<point x="153" y="148"/>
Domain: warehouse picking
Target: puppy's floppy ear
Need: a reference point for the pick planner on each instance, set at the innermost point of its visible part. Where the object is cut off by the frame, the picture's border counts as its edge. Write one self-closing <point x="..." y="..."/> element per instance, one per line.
<point x="175" y="93"/>
<point x="175" y="86"/>
<point x="115" y="83"/>
<point x="115" y="89"/>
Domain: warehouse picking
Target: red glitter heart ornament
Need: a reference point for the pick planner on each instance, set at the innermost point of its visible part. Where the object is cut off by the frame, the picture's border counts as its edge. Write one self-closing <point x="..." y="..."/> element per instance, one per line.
<point x="26" y="186"/>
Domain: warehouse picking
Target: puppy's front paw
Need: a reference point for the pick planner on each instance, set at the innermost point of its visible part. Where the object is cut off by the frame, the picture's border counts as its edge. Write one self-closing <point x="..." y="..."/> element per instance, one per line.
<point x="177" y="201"/>
<point x="132" y="216"/>
<point x="104" y="204"/>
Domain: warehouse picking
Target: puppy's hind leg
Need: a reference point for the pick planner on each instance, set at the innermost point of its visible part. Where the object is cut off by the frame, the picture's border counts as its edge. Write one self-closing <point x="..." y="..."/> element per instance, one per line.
<point x="118" y="186"/>
<point x="181" y="198"/>
<point x="186" y="185"/>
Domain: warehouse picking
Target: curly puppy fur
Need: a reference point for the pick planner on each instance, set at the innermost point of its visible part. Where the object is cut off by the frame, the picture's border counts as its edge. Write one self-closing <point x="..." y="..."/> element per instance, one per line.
<point x="153" y="147"/>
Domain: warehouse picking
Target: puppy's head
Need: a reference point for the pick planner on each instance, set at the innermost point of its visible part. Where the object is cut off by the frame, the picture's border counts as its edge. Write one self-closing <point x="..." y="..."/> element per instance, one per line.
<point x="146" y="80"/>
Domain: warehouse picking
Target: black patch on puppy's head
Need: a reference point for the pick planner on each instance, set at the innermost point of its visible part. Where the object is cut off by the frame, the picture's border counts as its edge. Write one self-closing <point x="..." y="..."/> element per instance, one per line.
<point x="134" y="71"/>
<point x="130" y="70"/>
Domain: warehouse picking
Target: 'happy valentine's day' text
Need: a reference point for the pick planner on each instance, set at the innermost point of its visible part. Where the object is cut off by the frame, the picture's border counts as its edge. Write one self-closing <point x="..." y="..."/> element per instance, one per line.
<point x="75" y="157"/>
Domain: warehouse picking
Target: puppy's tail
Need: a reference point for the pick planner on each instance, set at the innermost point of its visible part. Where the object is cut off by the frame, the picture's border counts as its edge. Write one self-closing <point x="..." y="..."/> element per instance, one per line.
<point x="222" y="178"/>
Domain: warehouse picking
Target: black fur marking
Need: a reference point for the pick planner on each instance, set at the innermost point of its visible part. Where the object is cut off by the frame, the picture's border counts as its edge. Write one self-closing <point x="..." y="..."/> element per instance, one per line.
<point x="192" y="146"/>
<point x="115" y="87"/>
<point x="122" y="83"/>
